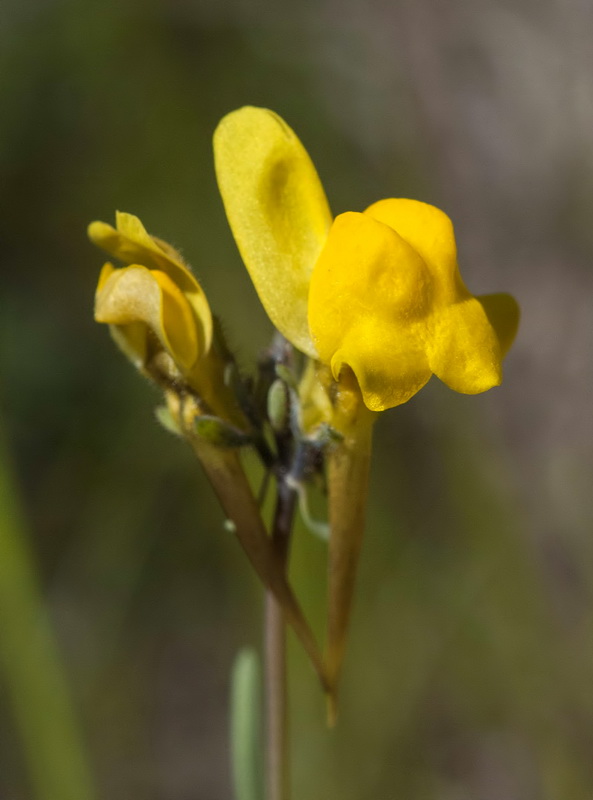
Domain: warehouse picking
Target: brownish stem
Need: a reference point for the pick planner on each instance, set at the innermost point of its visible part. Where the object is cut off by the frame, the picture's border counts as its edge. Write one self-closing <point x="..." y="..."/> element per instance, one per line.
<point x="277" y="767"/>
<point x="227" y="476"/>
<point x="348" y="475"/>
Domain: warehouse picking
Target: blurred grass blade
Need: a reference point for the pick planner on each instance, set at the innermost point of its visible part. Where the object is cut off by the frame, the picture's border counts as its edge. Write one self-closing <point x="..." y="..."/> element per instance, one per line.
<point x="31" y="665"/>
<point x="246" y="722"/>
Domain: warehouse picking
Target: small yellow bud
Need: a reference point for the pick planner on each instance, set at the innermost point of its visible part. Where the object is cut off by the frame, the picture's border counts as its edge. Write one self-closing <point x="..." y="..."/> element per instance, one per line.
<point x="153" y="303"/>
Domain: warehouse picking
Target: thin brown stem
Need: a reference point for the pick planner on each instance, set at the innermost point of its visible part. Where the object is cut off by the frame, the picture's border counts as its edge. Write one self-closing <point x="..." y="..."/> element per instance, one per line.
<point x="277" y="740"/>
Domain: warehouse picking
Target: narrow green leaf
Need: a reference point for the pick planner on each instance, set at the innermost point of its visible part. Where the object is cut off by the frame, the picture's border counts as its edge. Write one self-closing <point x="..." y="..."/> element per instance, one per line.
<point x="246" y="721"/>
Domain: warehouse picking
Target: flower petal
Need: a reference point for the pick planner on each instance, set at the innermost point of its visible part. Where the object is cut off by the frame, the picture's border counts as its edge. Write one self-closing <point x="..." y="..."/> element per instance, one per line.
<point x="430" y="232"/>
<point x="106" y="271"/>
<point x="277" y="210"/>
<point x="133" y="341"/>
<point x="503" y="314"/>
<point x="132" y="244"/>
<point x="137" y="295"/>
<point x="369" y="305"/>
<point x="390" y="364"/>
<point x="366" y="271"/>
<point x="464" y="351"/>
<point x="469" y="335"/>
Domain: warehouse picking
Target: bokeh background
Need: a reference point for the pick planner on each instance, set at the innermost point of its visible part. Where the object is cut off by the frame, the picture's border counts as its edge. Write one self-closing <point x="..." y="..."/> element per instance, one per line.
<point x="469" y="674"/>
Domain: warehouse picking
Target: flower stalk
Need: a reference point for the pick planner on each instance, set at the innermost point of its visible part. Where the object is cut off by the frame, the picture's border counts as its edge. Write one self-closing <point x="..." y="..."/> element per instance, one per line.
<point x="267" y="556"/>
<point x="277" y="757"/>
<point x="348" y="468"/>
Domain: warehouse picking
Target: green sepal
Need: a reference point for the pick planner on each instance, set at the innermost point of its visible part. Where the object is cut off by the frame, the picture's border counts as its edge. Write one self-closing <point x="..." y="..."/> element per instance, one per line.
<point x="327" y="436"/>
<point x="166" y="419"/>
<point x="220" y="433"/>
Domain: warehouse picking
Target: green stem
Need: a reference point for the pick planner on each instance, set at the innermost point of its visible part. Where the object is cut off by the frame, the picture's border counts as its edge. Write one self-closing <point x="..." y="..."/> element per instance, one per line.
<point x="246" y="714"/>
<point x="348" y="478"/>
<point x="277" y="765"/>
<point x="32" y="665"/>
<point x="229" y="481"/>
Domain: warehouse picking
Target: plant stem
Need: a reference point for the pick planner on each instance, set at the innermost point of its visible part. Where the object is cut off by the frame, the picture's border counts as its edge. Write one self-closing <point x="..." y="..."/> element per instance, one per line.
<point x="227" y="476"/>
<point x="277" y="743"/>
<point x="348" y="465"/>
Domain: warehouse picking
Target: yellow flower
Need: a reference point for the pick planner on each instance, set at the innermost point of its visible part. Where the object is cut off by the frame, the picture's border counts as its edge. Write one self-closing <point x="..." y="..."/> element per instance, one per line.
<point x="154" y="304"/>
<point x="378" y="292"/>
<point x="159" y="316"/>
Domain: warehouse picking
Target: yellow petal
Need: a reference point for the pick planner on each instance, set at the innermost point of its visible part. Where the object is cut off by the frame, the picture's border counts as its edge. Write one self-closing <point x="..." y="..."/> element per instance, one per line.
<point x="366" y="271"/>
<point x="138" y="295"/>
<point x="132" y="339"/>
<point x="430" y="232"/>
<point x="368" y="304"/>
<point x="132" y="244"/>
<point x="463" y="350"/>
<point x="277" y="210"/>
<point x="106" y="271"/>
<point x="390" y="363"/>
<point x="134" y="342"/>
<point x="503" y="314"/>
<point x="468" y="336"/>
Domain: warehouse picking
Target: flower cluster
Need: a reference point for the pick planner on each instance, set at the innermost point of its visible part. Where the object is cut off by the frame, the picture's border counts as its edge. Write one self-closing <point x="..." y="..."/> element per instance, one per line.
<point x="373" y="299"/>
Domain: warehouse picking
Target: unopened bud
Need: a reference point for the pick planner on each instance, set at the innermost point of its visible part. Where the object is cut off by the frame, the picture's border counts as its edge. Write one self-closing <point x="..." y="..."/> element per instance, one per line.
<point x="287" y="375"/>
<point x="278" y="405"/>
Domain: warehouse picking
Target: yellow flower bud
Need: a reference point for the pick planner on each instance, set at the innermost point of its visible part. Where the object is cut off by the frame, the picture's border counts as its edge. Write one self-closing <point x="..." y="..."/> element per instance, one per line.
<point x="135" y="294"/>
<point x="159" y="316"/>
<point x="153" y="303"/>
<point x="130" y="243"/>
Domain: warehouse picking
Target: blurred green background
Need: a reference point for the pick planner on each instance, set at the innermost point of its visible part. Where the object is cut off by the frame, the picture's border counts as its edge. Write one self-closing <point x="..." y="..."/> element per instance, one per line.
<point x="469" y="674"/>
